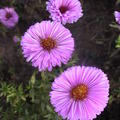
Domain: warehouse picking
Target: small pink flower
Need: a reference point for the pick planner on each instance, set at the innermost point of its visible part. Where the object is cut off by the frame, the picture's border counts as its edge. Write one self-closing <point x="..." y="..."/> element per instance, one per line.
<point x="117" y="16"/>
<point x="8" y="17"/>
<point x="16" y="39"/>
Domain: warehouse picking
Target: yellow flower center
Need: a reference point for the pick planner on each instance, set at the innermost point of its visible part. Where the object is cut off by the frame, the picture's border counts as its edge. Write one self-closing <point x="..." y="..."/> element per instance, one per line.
<point x="48" y="44"/>
<point x="79" y="92"/>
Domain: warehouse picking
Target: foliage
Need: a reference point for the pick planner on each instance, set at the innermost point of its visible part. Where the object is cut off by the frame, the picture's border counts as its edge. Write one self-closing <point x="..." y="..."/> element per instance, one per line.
<point x="118" y="42"/>
<point x="115" y="95"/>
<point x="31" y="101"/>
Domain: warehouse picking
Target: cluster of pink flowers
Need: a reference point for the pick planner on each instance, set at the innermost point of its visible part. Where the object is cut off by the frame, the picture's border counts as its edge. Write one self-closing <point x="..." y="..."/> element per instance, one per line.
<point x="49" y="44"/>
<point x="79" y="93"/>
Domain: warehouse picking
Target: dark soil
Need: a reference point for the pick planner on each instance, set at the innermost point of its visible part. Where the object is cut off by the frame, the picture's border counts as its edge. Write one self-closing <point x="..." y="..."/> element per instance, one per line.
<point x="95" y="44"/>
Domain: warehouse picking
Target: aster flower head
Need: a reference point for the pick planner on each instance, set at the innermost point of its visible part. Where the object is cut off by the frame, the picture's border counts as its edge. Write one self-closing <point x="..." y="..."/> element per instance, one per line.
<point x="117" y="16"/>
<point x="47" y="44"/>
<point x="80" y="93"/>
<point x="65" y="11"/>
<point x="16" y="39"/>
<point x="8" y="17"/>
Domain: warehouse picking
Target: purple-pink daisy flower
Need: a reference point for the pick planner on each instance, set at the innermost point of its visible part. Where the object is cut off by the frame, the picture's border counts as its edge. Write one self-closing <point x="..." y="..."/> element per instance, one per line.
<point x="8" y="17"/>
<point x="16" y="39"/>
<point x="117" y="16"/>
<point x="65" y="11"/>
<point x="80" y="93"/>
<point x="47" y="44"/>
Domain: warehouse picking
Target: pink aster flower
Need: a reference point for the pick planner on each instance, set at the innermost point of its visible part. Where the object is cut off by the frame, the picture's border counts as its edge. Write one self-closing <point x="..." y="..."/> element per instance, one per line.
<point x="8" y="17"/>
<point x="117" y="16"/>
<point x="65" y="11"/>
<point x="16" y="39"/>
<point x="47" y="44"/>
<point x="80" y="93"/>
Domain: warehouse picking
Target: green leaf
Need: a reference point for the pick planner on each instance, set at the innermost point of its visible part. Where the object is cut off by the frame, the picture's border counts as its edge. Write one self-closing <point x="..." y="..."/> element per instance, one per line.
<point x="32" y="80"/>
<point x="49" y="108"/>
<point x="118" y="42"/>
<point x="43" y="75"/>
